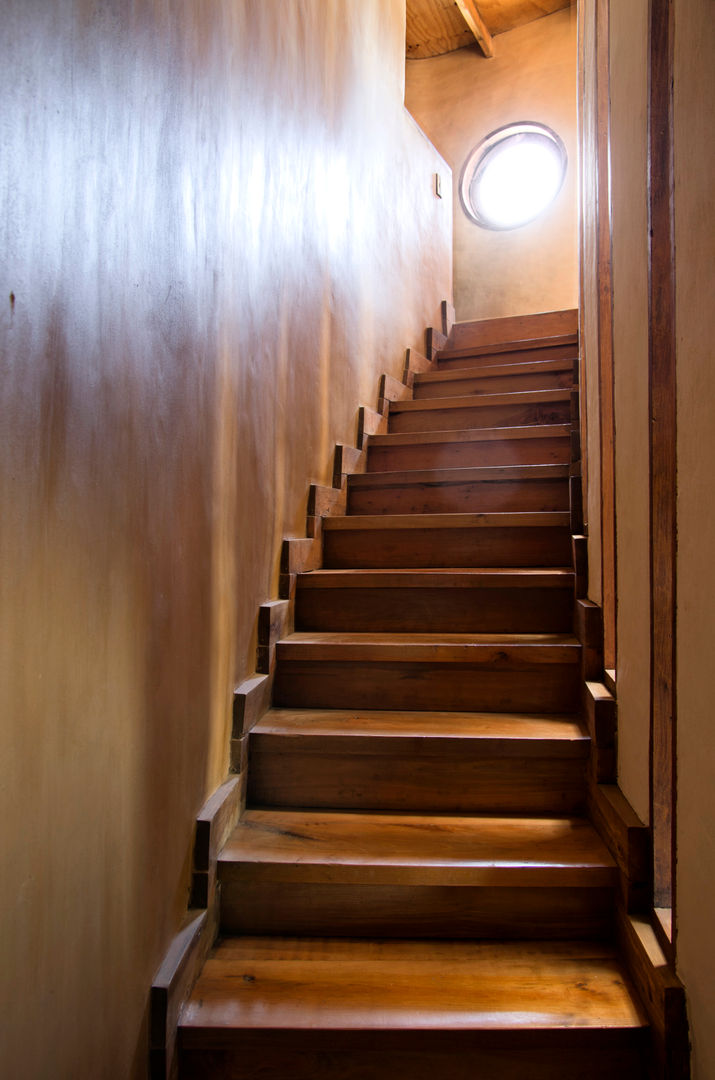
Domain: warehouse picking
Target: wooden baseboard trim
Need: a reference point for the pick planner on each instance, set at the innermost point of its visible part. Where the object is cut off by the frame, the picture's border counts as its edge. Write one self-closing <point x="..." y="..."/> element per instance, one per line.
<point x="190" y="946"/>
<point x="600" y="715"/>
<point x="275" y="620"/>
<point x="628" y="840"/>
<point x="251" y="699"/>
<point x="662" y="994"/>
<point x="447" y="312"/>
<point x="434" y="341"/>
<point x="588" y="627"/>
<point x="415" y="364"/>
<point x="370" y="422"/>
<point x="347" y="460"/>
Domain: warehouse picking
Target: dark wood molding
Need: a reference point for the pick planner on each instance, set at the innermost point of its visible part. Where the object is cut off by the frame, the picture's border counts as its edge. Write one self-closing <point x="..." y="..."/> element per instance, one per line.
<point x="190" y="946"/>
<point x="662" y="414"/>
<point x="605" y="332"/>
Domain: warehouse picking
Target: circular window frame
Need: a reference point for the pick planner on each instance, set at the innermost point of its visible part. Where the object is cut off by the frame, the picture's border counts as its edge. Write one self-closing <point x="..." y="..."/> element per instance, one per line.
<point x="478" y="159"/>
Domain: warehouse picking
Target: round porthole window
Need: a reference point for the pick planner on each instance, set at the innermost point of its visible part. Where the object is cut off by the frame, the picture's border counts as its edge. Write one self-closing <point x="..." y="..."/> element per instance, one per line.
<point x="512" y="175"/>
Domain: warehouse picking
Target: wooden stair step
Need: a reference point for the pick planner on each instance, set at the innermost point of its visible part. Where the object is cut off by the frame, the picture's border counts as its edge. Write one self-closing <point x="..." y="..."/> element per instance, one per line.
<point x="493" y="672"/>
<point x="494" y="488"/>
<point x="495" y="378"/>
<point x="532" y="444"/>
<point x="520" y="600"/>
<point x="504" y="763"/>
<point x="447" y="540"/>
<point x="323" y="1009"/>
<point x="482" y="410"/>
<point x="386" y="874"/>
<point x="532" y="345"/>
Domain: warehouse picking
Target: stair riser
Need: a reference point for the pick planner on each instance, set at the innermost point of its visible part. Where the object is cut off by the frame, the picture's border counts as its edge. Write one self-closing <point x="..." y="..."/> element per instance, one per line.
<point x="494" y="384"/>
<point x="478" y="416"/>
<point x="461" y="455"/>
<point x="517" y="356"/>
<point x="271" y="1056"/>
<point x="507" y="610"/>
<point x="398" y="780"/>
<point x="488" y="547"/>
<point x="375" y="685"/>
<point x="508" y="496"/>
<point x="254" y="902"/>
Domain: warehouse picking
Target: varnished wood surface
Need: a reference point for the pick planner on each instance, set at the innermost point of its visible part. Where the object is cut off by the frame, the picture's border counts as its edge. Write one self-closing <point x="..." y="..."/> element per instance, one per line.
<point x="479" y="600"/>
<point x="495" y="379"/>
<point x="473" y="448"/>
<point x="527" y="397"/>
<point x="476" y="360"/>
<point x="488" y="649"/>
<point x="322" y="984"/>
<point x="461" y="490"/>
<point x="421" y="727"/>
<point x="447" y="540"/>
<point x="474" y="578"/>
<point x="485" y="410"/>
<point x="512" y="332"/>
<point x="418" y="761"/>
<point x="447" y="476"/>
<point x="498" y="434"/>
<point x="263" y="901"/>
<point x="438" y="849"/>
<point x="424" y="684"/>
<point x="367" y="523"/>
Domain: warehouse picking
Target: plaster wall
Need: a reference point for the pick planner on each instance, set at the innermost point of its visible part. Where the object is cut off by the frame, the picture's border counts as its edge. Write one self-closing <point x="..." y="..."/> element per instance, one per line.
<point x="628" y="65"/>
<point x="211" y="250"/>
<point x="695" y="329"/>
<point x="461" y="97"/>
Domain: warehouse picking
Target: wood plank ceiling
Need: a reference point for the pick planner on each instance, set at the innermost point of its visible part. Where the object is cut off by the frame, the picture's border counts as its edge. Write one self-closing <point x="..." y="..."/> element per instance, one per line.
<point x="439" y="26"/>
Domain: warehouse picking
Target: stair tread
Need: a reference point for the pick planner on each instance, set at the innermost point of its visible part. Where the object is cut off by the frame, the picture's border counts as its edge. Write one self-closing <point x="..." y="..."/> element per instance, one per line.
<point x="427" y="726"/>
<point x="496" y="434"/>
<point x="524" y="367"/>
<point x="445" y="849"/>
<point x="517" y="345"/>
<point x="517" y="519"/>
<point x="366" y="985"/>
<point x="491" y="649"/>
<point x="441" y="577"/>
<point x="471" y="401"/>
<point x="440" y="477"/>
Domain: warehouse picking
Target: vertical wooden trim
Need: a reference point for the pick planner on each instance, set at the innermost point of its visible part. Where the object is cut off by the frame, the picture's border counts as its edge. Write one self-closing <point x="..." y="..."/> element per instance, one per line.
<point x="605" y="332"/>
<point x="583" y="195"/>
<point x="662" y="409"/>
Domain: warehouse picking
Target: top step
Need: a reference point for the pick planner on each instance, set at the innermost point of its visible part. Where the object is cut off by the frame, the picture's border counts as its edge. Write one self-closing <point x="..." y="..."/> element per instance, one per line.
<point x="515" y="328"/>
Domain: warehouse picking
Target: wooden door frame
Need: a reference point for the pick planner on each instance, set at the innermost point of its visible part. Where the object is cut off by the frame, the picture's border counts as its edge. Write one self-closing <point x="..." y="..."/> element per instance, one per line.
<point x="663" y="471"/>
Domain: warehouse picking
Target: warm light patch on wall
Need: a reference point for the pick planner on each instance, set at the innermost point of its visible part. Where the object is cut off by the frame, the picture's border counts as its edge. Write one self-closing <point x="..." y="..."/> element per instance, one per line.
<point x="512" y="176"/>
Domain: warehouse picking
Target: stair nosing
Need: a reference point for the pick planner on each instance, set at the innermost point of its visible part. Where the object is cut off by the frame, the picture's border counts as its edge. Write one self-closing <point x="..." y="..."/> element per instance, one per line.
<point x="492" y="519"/>
<point x="466" y="435"/>
<point x="493" y="371"/>
<point x="478" y="401"/>
<point x="460" y="475"/>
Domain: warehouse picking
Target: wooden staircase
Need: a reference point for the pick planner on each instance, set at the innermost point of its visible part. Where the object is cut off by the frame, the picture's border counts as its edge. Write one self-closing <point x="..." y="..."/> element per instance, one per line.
<point x="414" y="885"/>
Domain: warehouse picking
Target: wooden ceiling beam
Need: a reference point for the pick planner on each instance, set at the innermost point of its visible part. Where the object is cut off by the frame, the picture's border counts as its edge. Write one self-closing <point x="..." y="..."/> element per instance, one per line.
<point x="476" y="24"/>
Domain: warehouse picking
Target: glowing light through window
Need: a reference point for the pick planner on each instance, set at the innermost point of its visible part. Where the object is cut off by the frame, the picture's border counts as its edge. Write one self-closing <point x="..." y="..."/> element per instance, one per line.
<point x="513" y="176"/>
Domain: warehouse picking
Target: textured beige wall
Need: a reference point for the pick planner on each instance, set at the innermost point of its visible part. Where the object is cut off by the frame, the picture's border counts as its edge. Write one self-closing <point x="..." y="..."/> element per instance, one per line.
<point x="695" y="328"/>
<point x="210" y="252"/>
<point x="629" y="201"/>
<point x="588" y="313"/>
<point x="459" y="98"/>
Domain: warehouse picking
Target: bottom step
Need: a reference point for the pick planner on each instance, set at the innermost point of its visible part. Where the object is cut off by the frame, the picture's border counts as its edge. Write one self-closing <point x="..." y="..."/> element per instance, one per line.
<point x="313" y="1009"/>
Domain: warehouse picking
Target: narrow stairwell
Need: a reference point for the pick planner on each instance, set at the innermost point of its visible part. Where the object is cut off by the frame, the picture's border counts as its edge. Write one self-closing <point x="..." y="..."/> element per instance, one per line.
<point x="414" y="884"/>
